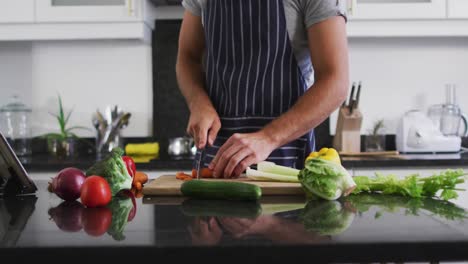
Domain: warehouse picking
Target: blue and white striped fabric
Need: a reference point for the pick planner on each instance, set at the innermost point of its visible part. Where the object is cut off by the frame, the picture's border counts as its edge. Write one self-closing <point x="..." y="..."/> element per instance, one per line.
<point x="252" y="76"/>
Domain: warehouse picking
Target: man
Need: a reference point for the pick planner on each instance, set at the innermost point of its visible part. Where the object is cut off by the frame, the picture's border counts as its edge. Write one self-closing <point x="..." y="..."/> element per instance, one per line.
<point x="258" y="76"/>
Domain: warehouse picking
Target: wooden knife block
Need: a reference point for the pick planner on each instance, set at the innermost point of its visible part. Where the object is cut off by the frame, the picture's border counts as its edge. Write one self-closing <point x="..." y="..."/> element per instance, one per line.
<point x="348" y="131"/>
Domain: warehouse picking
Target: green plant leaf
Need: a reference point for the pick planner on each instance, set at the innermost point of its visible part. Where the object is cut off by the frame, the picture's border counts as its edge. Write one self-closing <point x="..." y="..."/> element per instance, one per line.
<point x="68" y="117"/>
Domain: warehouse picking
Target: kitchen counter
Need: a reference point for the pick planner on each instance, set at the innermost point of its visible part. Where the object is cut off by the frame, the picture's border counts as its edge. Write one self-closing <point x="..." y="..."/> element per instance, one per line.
<point x="44" y="163"/>
<point x="365" y="228"/>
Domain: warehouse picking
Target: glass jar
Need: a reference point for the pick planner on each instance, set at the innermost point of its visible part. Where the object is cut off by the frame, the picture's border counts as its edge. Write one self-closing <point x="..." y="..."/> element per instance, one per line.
<point x="15" y="125"/>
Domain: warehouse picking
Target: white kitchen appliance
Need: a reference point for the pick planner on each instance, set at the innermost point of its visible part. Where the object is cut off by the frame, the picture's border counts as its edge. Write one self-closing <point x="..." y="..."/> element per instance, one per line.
<point x="417" y="133"/>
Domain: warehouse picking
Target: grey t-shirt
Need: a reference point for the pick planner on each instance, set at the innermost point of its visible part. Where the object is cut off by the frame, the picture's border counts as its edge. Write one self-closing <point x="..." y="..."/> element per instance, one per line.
<point x="300" y="15"/>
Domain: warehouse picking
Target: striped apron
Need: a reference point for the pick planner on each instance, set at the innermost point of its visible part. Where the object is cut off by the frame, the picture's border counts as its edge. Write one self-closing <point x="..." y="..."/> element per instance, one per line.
<point x="252" y="76"/>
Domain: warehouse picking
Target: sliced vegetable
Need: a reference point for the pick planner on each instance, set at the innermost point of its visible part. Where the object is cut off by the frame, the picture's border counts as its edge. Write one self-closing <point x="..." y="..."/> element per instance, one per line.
<point x="203" y="189"/>
<point x="183" y="176"/>
<point x="266" y="176"/>
<point x="130" y="164"/>
<point x="413" y="185"/>
<point x="67" y="184"/>
<point x="114" y="170"/>
<point x="95" y="192"/>
<point x="271" y="167"/>
<point x="326" y="179"/>
<point x="204" y="173"/>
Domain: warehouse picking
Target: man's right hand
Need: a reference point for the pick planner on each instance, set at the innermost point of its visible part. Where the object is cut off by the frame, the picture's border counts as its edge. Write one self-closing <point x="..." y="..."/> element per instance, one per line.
<point x="204" y="124"/>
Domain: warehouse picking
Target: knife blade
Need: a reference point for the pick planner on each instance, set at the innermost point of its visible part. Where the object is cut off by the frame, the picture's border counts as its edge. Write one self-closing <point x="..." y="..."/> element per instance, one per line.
<point x="199" y="162"/>
<point x="355" y="100"/>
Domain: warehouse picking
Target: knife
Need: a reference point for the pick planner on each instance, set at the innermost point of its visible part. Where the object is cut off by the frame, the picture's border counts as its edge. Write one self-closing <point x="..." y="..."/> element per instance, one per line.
<point x="199" y="162"/>
<point x="354" y="102"/>
<point x="351" y="95"/>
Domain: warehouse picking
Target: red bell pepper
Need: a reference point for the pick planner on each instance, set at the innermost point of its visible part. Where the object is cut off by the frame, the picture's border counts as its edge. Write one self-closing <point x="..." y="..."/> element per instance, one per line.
<point x="130" y="164"/>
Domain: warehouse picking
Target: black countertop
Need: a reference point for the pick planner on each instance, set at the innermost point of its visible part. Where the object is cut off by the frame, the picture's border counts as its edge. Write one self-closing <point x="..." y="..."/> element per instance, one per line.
<point x="363" y="228"/>
<point x="44" y="163"/>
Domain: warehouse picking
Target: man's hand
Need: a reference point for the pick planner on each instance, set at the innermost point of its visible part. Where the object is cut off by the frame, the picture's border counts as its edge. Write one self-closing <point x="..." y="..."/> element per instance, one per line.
<point x="241" y="151"/>
<point x="205" y="233"/>
<point x="204" y="125"/>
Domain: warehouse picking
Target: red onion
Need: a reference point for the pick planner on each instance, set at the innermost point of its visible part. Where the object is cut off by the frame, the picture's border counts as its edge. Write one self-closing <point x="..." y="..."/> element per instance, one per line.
<point x="68" y="216"/>
<point x="67" y="184"/>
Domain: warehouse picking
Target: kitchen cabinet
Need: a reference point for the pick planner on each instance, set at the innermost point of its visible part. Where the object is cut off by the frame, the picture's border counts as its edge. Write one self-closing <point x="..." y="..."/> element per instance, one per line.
<point x="457" y="9"/>
<point x="87" y="10"/>
<point x="18" y="11"/>
<point x="396" y="9"/>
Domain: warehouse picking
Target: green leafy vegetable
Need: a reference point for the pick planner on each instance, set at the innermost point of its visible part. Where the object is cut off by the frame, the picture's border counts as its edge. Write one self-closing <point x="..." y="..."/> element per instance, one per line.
<point x="121" y="207"/>
<point x="413" y="185"/>
<point x="412" y="206"/>
<point x="268" y="176"/>
<point x="326" y="217"/>
<point x="114" y="170"/>
<point x="325" y="179"/>
<point x="271" y="167"/>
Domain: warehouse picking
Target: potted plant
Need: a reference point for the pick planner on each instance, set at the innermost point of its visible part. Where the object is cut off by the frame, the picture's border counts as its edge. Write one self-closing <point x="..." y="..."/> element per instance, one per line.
<point x="375" y="140"/>
<point x="63" y="143"/>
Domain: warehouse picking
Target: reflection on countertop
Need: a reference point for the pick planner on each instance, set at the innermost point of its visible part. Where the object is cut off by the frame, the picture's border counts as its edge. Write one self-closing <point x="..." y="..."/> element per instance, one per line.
<point x="153" y="225"/>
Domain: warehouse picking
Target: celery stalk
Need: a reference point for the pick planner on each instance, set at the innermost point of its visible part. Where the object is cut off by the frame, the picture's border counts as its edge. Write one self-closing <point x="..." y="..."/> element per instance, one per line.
<point x="271" y="167"/>
<point x="267" y="176"/>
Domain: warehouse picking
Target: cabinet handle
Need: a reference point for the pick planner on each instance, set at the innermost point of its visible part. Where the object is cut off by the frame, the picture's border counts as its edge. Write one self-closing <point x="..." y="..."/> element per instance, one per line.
<point x="130" y="8"/>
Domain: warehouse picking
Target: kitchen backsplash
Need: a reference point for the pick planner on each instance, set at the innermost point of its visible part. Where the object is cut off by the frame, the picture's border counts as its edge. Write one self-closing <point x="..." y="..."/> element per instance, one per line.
<point x="398" y="74"/>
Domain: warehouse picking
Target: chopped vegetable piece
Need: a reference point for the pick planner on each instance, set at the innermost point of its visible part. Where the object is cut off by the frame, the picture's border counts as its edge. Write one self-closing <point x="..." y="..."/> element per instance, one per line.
<point x="265" y="176"/>
<point x="183" y="176"/>
<point x="271" y="167"/>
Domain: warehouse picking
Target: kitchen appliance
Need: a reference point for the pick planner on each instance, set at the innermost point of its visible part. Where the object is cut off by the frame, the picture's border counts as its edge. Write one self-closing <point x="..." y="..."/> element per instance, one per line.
<point x="168" y="185"/>
<point x="14" y="123"/>
<point x="416" y="133"/>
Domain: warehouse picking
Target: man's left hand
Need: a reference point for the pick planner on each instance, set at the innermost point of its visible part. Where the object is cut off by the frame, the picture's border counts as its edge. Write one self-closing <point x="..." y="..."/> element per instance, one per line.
<point x="239" y="152"/>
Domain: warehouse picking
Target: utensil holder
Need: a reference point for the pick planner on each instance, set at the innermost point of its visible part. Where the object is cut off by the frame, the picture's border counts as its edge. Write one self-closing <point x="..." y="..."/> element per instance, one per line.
<point x="348" y="130"/>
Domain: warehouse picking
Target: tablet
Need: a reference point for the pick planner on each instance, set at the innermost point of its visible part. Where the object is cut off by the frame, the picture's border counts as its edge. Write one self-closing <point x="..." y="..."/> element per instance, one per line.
<point x="14" y="179"/>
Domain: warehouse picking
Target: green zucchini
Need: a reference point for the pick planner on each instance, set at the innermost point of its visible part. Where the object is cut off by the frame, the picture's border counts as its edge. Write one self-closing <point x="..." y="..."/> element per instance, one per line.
<point x="221" y="208"/>
<point x="220" y="190"/>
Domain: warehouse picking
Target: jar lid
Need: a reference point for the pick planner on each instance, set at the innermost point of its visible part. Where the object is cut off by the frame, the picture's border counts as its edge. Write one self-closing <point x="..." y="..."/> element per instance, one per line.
<point x="15" y="105"/>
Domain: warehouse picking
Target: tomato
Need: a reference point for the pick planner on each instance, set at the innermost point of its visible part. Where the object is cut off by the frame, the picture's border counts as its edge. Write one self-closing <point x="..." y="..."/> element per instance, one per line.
<point x="97" y="220"/>
<point x="130" y="164"/>
<point x="95" y="192"/>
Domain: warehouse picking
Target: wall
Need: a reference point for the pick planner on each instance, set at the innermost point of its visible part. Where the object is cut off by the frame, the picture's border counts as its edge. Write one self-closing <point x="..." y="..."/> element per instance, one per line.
<point x="406" y="73"/>
<point x="89" y="75"/>
<point x="397" y="74"/>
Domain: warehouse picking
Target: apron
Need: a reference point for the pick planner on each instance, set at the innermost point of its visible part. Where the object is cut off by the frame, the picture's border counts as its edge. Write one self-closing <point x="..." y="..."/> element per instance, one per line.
<point x="252" y="76"/>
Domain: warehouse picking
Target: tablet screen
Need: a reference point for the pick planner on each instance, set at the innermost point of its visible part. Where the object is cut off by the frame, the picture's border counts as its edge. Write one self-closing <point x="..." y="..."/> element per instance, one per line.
<point x="13" y="176"/>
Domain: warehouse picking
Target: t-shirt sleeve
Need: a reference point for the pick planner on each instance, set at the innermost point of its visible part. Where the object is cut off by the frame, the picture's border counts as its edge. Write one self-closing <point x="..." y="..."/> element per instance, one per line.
<point x="319" y="10"/>
<point x="193" y="6"/>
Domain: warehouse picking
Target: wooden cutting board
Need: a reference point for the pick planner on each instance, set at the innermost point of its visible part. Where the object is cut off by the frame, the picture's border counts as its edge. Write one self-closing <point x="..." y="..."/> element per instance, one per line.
<point x="168" y="185"/>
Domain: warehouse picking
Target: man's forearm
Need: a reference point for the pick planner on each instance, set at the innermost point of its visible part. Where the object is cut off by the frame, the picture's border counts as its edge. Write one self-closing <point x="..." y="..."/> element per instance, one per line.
<point x="310" y="110"/>
<point x="190" y="78"/>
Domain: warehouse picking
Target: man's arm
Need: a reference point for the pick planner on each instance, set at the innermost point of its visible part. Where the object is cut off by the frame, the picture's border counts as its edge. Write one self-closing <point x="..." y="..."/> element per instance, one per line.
<point x="329" y="53"/>
<point x="190" y="77"/>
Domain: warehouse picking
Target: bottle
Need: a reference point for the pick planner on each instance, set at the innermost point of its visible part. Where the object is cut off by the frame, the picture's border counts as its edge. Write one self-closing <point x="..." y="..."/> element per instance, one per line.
<point x="14" y="124"/>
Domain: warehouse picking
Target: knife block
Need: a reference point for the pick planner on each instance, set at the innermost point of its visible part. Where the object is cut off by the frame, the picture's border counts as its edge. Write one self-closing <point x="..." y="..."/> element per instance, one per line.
<point x="348" y="131"/>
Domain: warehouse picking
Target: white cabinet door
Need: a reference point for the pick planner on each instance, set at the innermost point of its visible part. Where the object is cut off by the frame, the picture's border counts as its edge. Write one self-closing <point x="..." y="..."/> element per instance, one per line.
<point x="396" y="9"/>
<point x="17" y="11"/>
<point x="88" y="10"/>
<point x="457" y="8"/>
